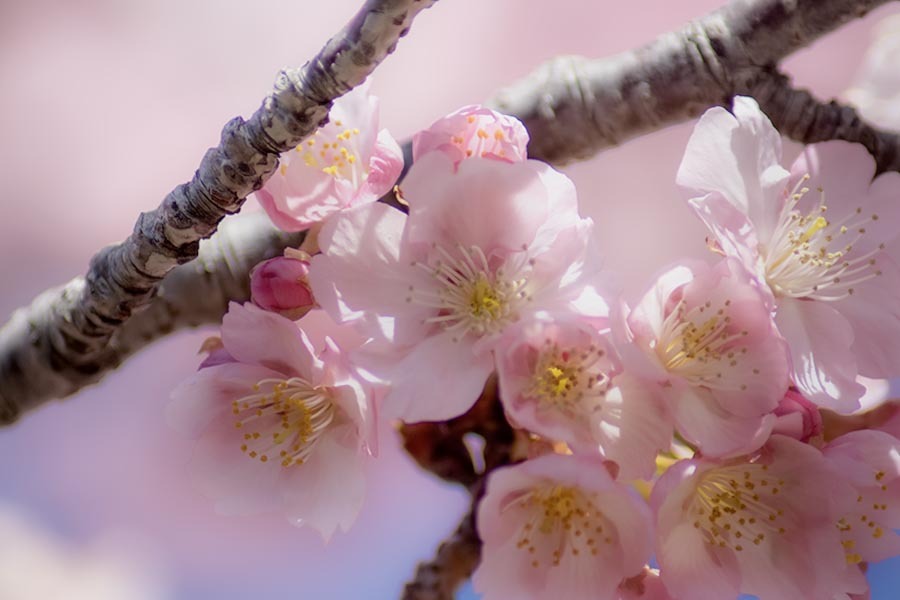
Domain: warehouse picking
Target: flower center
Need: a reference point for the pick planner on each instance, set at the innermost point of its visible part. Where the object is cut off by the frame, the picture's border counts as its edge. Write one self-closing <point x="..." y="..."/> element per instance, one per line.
<point x="810" y="256"/>
<point x="283" y="419"/>
<point x="334" y="150"/>
<point x="563" y="520"/>
<point x="739" y="507"/>
<point x="564" y="378"/>
<point x="489" y="139"/>
<point x="469" y="295"/>
<point x="701" y="343"/>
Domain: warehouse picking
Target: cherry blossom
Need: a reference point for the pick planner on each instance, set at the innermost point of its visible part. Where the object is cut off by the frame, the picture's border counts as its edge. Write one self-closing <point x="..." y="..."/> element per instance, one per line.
<point x="559" y="526"/>
<point x="474" y="131"/>
<point x="562" y="380"/>
<point x="765" y="525"/>
<point x="870" y="462"/>
<point x="483" y="246"/>
<point x="705" y="335"/>
<point x="818" y="239"/>
<point x="347" y="162"/>
<point x="876" y="91"/>
<point x="278" y="426"/>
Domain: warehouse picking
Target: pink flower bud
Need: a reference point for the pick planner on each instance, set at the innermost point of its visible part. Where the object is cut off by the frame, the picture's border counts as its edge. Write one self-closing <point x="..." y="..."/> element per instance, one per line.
<point x="280" y="285"/>
<point x="797" y="417"/>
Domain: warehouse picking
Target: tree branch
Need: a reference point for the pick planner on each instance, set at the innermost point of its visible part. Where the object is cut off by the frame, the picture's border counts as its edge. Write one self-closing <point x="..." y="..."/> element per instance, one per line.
<point x="573" y="107"/>
<point x="453" y="563"/>
<point x="800" y="116"/>
<point x="63" y="337"/>
<point x="191" y="295"/>
<point x="439" y="448"/>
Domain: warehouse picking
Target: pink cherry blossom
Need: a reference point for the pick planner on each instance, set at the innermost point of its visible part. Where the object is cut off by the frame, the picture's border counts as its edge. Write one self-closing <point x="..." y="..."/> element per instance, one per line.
<point x="876" y="92"/>
<point x="764" y="525"/>
<point x="346" y="162"/>
<point x="483" y="246"/>
<point x="474" y="131"/>
<point x="797" y="417"/>
<point x="280" y="285"/>
<point x="559" y="527"/>
<point x="278" y="427"/>
<point x="560" y="378"/>
<point x="870" y="462"/>
<point x="819" y="238"/>
<point x="706" y="336"/>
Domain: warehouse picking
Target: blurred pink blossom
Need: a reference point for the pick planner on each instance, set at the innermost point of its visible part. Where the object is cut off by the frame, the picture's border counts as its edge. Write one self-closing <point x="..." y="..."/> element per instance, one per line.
<point x="279" y="427"/>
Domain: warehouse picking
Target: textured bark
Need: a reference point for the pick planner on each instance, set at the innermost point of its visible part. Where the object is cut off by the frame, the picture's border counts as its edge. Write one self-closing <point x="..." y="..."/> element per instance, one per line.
<point x="191" y="295"/>
<point x="574" y="107"/>
<point x="798" y="115"/>
<point x="64" y="336"/>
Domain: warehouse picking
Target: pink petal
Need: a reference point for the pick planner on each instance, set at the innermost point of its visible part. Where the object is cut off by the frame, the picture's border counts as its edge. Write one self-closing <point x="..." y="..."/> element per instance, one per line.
<point x="208" y="395"/>
<point x="493" y="205"/>
<point x="633" y="426"/>
<point x="237" y="483"/>
<point x="438" y="379"/>
<point x="738" y="156"/>
<point x="301" y="196"/>
<point x="873" y="313"/>
<point x="385" y="167"/>
<point x="717" y="431"/>
<point x="255" y="336"/>
<point x="327" y="491"/>
<point x="820" y="339"/>
<point x="361" y="273"/>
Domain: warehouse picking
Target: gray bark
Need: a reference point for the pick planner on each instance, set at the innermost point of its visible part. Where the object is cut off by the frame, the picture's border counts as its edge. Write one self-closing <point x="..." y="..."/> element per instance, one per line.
<point x="61" y="341"/>
<point x="191" y="295"/>
<point x="800" y="116"/>
<point x="574" y="107"/>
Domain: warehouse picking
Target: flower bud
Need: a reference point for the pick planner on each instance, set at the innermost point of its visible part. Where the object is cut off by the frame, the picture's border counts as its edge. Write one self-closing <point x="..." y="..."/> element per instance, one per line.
<point x="280" y="285"/>
<point x="797" y="417"/>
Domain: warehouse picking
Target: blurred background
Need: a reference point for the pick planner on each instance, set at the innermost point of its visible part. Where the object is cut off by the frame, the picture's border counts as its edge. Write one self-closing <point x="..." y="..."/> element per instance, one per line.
<point x="105" y="105"/>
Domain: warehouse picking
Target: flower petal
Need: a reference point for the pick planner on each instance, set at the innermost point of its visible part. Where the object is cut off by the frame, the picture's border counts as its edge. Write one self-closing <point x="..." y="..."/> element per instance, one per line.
<point x="820" y="339"/>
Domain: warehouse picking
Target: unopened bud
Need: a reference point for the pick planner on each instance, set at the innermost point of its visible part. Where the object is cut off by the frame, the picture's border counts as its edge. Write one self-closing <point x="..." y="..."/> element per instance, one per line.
<point x="280" y="285"/>
<point x="797" y="417"/>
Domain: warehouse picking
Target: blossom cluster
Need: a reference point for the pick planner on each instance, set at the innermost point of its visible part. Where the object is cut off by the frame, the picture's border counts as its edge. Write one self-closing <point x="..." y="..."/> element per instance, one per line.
<point x="674" y="445"/>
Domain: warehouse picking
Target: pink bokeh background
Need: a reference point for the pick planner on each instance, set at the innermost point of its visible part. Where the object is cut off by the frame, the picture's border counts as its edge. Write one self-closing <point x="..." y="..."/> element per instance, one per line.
<point x="108" y="104"/>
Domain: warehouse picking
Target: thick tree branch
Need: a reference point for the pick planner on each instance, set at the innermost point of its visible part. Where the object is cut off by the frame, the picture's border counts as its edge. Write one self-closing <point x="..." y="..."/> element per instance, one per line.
<point x="574" y="107"/>
<point x="800" y="116"/>
<point x="60" y="340"/>
<point x="191" y="295"/>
